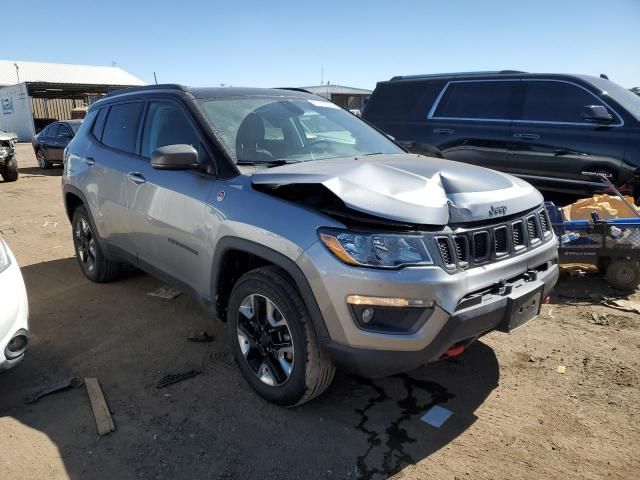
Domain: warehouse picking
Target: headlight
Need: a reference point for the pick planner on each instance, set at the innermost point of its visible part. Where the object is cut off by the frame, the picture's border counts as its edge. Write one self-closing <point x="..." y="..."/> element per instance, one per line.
<point x="5" y="261"/>
<point x="381" y="250"/>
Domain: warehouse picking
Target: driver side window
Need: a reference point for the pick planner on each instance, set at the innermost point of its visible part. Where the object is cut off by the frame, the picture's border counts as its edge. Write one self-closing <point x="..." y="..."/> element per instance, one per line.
<point x="168" y="124"/>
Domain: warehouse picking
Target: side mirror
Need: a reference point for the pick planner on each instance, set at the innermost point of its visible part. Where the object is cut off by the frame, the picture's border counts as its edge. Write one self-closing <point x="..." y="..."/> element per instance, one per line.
<point x="596" y="114"/>
<point x="175" y="157"/>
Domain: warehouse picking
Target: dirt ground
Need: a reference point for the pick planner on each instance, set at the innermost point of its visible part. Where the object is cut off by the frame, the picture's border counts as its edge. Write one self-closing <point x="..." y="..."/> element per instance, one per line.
<point x="514" y="415"/>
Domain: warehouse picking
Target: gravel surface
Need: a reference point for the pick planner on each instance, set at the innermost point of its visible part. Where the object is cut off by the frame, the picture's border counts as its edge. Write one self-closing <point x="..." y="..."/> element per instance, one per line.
<point x="514" y="415"/>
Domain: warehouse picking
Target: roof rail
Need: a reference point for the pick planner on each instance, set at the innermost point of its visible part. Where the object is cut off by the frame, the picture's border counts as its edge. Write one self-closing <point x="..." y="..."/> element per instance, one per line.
<point x="293" y="89"/>
<point x="455" y="74"/>
<point x="144" y="88"/>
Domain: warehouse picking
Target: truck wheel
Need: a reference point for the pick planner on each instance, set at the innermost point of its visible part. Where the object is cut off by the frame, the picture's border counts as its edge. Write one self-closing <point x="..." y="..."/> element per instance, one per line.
<point x="274" y="341"/>
<point x="42" y="160"/>
<point x="623" y="274"/>
<point x="10" y="172"/>
<point x="94" y="264"/>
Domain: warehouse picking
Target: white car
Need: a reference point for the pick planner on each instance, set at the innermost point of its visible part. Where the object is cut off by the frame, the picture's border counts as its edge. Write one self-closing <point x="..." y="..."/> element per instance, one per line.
<point x="14" y="310"/>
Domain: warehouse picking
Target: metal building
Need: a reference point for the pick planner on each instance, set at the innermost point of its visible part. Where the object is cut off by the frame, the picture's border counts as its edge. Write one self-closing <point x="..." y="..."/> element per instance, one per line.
<point x="347" y="97"/>
<point x="34" y="94"/>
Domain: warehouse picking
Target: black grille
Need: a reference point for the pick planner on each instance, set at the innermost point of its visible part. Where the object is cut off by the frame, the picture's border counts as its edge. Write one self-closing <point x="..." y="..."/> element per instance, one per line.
<point x="470" y="247"/>
<point x="532" y="229"/>
<point x="480" y="246"/>
<point x="518" y="235"/>
<point x="445" y="251"/>
<point x="462" y="249"/>
<point x="501" y="238"/>
<point x="544" y="223"/>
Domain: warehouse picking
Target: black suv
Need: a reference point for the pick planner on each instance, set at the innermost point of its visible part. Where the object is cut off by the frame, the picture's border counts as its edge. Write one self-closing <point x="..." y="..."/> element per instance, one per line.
<point x="545" y="128"/>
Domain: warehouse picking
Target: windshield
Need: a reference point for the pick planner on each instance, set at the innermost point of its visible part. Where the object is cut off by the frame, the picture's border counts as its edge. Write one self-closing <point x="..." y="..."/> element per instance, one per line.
<point x="283" y="130"/>
<point x="625" y="98"/>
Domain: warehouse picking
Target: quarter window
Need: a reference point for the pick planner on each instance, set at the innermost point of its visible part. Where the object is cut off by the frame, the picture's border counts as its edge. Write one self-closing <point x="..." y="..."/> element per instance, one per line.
<point x="550" y="101"/>
<point x="96" y="128"/>
<point x="121" y="128"/>
<point x="167" y="124"/>
<point x="476" y="100"/>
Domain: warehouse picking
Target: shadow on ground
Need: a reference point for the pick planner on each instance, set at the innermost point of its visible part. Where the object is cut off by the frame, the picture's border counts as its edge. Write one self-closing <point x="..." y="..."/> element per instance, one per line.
<point x="211" y="426"/>
<point x="54" y="171"/>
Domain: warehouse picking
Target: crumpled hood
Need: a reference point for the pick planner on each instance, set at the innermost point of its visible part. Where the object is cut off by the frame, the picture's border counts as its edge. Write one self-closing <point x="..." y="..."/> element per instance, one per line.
<point x="8" y="136"/>
<point x="411" y="188"/>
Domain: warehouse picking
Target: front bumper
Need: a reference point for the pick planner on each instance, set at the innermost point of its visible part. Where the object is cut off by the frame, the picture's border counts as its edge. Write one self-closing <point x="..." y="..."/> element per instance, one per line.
<point x="14" y="313"/>
<point x="379" y="354"/>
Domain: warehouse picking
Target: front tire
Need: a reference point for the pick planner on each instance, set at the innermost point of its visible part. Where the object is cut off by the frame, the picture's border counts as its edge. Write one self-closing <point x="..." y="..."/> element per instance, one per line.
<point x="42" y="160"/>
<point x="274" y="341"/>
<point x="10" y="171"/>
<point x="91" y="258"/>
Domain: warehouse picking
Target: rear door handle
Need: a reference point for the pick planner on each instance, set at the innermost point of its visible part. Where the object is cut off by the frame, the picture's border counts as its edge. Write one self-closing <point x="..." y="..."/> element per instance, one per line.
<point x="527" y="136"/>
<point x="89" y="161"/>
<point x="443" y="131"/>
<point x="136" y="177"/>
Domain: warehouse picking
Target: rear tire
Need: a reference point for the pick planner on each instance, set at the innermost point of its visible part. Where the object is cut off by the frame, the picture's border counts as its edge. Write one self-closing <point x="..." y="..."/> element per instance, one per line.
<point x="623" y="274"/>
<point x="42" y="160"/>
<point x="308" y="371"/>
<point x="91" y="258"/>
<point x="10" y="171"/>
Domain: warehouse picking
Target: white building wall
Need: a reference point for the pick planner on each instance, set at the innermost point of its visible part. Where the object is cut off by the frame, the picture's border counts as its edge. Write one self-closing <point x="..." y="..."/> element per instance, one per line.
<point x="15" y="112"/>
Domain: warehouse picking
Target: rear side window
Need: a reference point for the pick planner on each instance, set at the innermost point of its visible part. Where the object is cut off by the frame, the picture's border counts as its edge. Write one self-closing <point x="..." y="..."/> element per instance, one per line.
<point x="167" y="124"/>
<point x="87" y="123"/>
<point x="402" y="100"/>
<point x="551" y="101"/>
<point x="121" y="127"/>
<point x="475" y="100"/>
<point x="64" y="130"/>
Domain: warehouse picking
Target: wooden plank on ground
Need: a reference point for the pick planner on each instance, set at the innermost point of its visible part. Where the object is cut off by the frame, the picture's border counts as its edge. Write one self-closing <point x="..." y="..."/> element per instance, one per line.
<point x="104" y="422"/>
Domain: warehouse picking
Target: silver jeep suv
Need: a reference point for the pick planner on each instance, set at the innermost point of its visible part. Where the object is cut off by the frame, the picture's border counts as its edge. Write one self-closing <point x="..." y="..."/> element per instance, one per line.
<point x="319" y="240"/>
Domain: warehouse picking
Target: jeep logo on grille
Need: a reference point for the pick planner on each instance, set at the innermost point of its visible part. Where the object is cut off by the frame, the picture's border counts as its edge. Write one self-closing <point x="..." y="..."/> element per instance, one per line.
<point x="497" y="210"/>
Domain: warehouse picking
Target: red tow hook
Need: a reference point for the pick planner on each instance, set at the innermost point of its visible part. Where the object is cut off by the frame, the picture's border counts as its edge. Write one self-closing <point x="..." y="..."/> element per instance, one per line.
<point x="455" y="350"/>
<point x="546" y="300"/>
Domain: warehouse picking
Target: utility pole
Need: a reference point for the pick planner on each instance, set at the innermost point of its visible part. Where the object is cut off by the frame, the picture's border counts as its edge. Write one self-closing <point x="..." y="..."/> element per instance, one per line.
<point x="17" y="72"/>
<point x="155" y="78"/>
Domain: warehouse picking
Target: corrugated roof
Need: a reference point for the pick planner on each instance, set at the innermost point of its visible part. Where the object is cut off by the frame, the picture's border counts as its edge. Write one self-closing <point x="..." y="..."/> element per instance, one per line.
<point x="337" y="90"/>
<point x="64" y="73"/>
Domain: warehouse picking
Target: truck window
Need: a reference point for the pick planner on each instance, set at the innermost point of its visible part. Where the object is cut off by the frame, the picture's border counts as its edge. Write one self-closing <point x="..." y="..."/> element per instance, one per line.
<point x="554" y="101"/>
<point x="475" y="100"/>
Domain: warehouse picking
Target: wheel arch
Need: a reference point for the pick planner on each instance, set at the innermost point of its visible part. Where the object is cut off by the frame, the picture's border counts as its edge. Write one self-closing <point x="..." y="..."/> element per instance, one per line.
<point x="236" y="256"/>
<point x="73" y="198"/>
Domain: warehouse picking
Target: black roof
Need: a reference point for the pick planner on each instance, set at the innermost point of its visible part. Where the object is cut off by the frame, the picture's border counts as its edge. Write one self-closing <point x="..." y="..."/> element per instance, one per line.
<point x="592" y="79"/>
<point x="215" y="92"/>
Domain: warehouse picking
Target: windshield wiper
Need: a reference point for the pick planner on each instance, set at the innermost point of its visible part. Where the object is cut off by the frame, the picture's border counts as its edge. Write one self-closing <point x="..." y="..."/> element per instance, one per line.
<point x="269" y="163"/>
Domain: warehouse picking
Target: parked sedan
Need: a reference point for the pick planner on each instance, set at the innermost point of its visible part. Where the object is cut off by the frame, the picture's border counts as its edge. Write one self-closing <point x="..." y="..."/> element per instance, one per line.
<point x="50" y="143"/>
<point x="14" y="310"/>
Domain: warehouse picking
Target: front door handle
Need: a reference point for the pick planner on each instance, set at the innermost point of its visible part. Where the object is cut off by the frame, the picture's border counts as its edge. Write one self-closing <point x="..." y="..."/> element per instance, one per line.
<point x="136" y="177"/>
<point x="89" y="161"/>
<point x="443" y="131"/>
<point x="527" y="136"/>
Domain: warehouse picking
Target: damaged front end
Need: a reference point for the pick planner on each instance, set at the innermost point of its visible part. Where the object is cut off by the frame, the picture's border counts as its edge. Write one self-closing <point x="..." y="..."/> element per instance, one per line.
<point x="7" y="146"/>
<point x="405" y="210"/>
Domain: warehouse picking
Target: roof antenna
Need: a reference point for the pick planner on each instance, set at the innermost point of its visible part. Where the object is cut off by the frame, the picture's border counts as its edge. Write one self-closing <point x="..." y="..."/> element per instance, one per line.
<point x="602" y="75"/>
<point x="155" y="78"/>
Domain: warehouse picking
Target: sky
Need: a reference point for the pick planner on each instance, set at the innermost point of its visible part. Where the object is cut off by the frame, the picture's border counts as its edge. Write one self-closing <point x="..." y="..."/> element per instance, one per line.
<point x="355" y="43"/>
